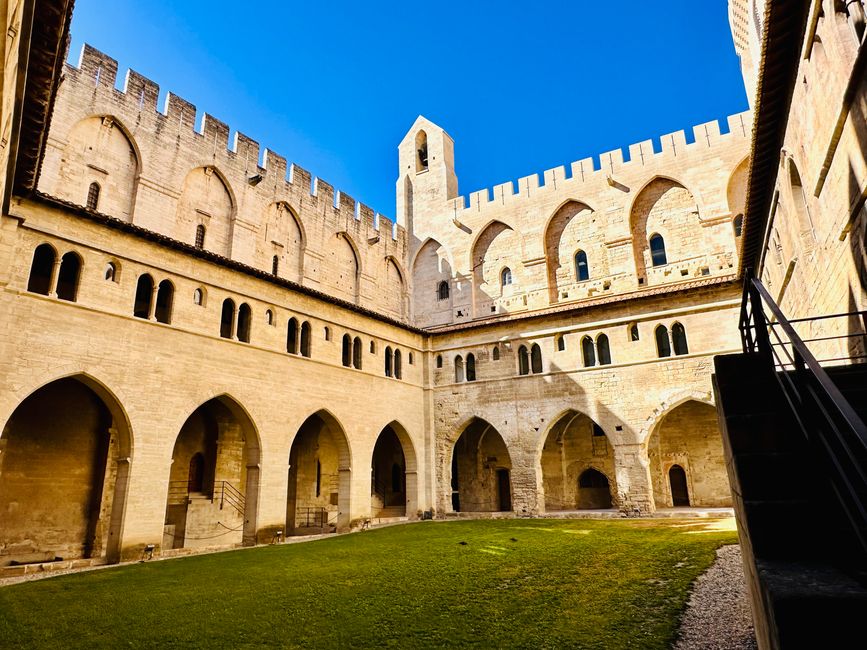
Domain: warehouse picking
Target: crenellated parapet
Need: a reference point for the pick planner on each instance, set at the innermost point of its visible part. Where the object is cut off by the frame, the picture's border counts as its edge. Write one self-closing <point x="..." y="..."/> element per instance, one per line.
<point x="576" y="233"/>
<point x="188" y="176"/>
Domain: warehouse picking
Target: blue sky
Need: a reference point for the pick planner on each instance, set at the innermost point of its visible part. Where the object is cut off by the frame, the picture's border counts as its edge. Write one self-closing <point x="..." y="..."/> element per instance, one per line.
<point x="334" y="86"/>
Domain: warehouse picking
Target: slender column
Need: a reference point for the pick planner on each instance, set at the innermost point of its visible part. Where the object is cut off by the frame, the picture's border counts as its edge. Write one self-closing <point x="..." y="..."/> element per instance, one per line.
<point x="152" y="307"/>
<point x="234" y="336"/>
<point x="55" y="273"/>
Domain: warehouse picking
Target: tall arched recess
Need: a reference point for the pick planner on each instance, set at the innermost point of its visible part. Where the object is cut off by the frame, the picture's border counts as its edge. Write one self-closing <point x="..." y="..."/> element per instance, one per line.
<point x="394" y="474"/>
<point x="64" y="474"/>
<point x="320" y="477"/>
<point x="282" y="237"/>
<point x="213" y="493"/>
<point x="206" y="200"/>
<point x="432" y="266"/>
<point x="480" y="471"/>
<point x="497" y="247"/>
<point x="343" y="274"/>
<point x="101" y="150"/>
<point x="572" y="228"/>
<point x="666" y="208"/>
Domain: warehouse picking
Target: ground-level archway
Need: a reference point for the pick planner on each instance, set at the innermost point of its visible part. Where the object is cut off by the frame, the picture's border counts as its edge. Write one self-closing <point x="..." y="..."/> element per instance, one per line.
<point x="64" y="472"/>
<point x="481" y="470"/>
<point x="214" y="479"/>
<point x="393" y="469"/>
<point x="317" y="498"/>
<point x="577" y="461"/>
<point x="687" y="462"/>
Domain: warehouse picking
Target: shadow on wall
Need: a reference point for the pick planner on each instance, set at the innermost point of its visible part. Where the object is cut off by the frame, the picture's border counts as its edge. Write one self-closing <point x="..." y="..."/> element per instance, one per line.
<point x="858" y="238"/>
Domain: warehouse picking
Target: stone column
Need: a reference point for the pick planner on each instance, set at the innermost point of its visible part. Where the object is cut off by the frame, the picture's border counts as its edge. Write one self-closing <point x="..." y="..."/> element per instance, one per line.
<point x="234" y="332"/>
<point x="632" y="472"/>
<point x="152" y="306"/>
<point x="55" y="273"/>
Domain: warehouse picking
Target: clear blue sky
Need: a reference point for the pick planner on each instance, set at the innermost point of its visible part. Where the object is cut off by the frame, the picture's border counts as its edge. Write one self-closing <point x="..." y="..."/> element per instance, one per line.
<point x="521" y="87"/>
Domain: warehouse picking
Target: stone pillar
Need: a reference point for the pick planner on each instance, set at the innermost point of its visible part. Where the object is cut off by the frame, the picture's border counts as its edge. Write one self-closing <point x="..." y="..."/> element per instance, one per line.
<point x="234" y="332"/>
<point x="152" y="306"/>
<point x="345" y="513"/>
<point x="251" y="505"/>
<point x="525" y="488"/>
<point x="632" y="472"/>
<point x="55" y="273"/>
<point x="412" y="508"/>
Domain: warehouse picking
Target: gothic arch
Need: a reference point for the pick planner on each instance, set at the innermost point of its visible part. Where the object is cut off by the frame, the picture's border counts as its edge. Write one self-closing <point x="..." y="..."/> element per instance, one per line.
<point x="101" y="149"/>
<point x="497" y="246"/>
<point x="104" y="534"/>
<point x="562" y="239"/>
<point x="447" y="256"/>
<point x="736" y="189"/>
<point x="347" y="270"/>
<point x="671" y="402"/>
<point x="216" y="211"/>
<point x="284" y="235"/>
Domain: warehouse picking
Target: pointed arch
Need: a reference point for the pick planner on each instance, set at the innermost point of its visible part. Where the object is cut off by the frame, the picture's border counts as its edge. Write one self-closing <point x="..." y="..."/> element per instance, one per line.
<point x="736" y="188"/>
<point x="345" y="261"/>
<point x="432" y="265"/>
<point x="496" y="246"/>
<point x="66" y="420"/>
<point x="395" y="287"/>
<point x="207" y="200"/>
<point x="478" y="471"/>
<point x="563" y="232"/>
<point x="283" y="237"/>
<point x="42" y="269"/>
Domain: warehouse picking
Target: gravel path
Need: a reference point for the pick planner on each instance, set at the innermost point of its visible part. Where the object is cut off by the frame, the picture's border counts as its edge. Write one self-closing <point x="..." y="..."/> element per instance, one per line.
<point x="718" y="613"/>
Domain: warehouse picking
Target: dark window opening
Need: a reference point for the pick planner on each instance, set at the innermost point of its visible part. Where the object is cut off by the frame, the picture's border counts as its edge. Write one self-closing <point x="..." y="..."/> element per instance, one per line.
<point x="227" y="315"/>
<point x="305" y="339"/>
<point x="93" y="196"/>
<point x="356" y="353"/>
<point x="398" y="368"/>
<point x="582" y="270"/>
<point x="245" y="319"/>
<point x="523" y="361"/>
<point x="144" y="292"/>
<point x="443" y="290"/>
<point x="471" y="367"/>
<point x="587" y="351"/>
<point x="67" y="278"/>
<point x="663" y="347"/>
<point x="388" y="360"/>
<point x="41" y="270"/>
<point x="678" y="337"/>
<point x="347" y="351"/>
<point x="200" y="236"/>
<point x="165" y="298"/>
<point x="657" y="251"/>
<point x="536" y="358"/>
<point x="292" y="336"/>
<point x="603" y="351"/>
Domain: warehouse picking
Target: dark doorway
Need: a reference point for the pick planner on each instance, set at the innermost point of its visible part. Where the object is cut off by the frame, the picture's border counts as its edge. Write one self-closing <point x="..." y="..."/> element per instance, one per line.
<point x="593" y="490"/>
<point x="679" y="491"/>
<point x="196" y="480"/>
<point x="456" y="495"/>
<point x="504" y="490"/>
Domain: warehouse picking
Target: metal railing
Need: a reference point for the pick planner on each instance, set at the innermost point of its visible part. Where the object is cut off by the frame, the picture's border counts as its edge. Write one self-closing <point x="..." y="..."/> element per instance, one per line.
<point x="231" y="496"/>
<point x="825" y="417"/>
<point x="312" y="517"/>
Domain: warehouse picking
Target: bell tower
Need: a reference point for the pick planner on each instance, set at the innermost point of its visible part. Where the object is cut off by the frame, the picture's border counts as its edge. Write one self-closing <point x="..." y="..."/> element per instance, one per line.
<point x="426" y="180"/>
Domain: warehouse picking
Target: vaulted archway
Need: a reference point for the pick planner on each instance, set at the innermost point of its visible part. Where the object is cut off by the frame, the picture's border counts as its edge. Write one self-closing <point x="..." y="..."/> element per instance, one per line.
<point x="574" y="446"/>
<point x="214" y="479"/>
<point x="318" y="493"/>
<point x="393" y="474"/>
<point x="481" y="470"/>
<point x="64" y="472"/>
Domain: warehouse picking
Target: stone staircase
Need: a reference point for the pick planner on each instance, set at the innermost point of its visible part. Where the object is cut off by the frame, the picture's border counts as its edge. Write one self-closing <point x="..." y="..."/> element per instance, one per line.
<point x="804" y="563"/>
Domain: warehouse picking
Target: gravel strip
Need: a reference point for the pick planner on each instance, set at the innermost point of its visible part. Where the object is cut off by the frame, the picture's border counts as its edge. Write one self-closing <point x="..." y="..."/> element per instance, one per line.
<point x="718" y="613"/>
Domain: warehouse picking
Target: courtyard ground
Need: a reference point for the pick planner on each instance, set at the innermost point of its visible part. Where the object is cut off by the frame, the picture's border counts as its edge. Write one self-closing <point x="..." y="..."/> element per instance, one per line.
<point x="485" y="583"/>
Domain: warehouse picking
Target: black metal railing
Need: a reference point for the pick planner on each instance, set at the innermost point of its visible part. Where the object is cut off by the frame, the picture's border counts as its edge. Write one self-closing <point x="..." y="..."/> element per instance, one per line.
<point x="826" y="419"/>
<point x="231" y="496"/>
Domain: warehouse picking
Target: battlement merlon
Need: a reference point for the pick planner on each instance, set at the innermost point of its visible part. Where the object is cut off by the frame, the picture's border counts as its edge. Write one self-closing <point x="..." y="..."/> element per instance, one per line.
<point x="605" y="167"/>
<point x="237" y="155"/>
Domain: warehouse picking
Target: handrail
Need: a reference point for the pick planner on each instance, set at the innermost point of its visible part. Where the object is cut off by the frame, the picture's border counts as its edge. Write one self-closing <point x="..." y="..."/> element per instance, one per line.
<point x="824" y="415"/>
<point x="233" y="496"/>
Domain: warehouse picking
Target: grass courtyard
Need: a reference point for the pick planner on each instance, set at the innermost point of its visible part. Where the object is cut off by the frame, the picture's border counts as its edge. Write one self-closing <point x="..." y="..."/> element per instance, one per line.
<point x="514" y="583"/>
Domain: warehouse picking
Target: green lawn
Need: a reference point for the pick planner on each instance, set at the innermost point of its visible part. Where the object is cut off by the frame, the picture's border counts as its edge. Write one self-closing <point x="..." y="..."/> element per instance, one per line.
<point x="515" y="583"/>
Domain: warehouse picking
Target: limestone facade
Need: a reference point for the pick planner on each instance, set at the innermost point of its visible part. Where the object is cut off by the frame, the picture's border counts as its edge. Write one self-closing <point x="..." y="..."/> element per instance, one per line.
<point x="242" y="350"/>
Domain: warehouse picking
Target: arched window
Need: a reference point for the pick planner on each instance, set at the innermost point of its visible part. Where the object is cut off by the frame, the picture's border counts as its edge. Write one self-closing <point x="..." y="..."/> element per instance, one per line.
<point x="347" y="350"/>
<point x="657" y="250"/>
<point x="459" y="368"/>
<point x="523" y="361"/>
<point x="603" y="351"/>
<point x="165" y="298"/>
<point x="269" y="317"/>
<point x="410" y="358"/>
<point x="678" y="339"/>
<point x="199" y="297"/>
<point x="388" y="360"/>
<point x="144" y="292"/>
<point x="67" y="278"/>
<point x="111" y="272"/>
<point x="227" y="316"/>
<point x="421" y="150"/>
<point x="356" y="353"/>
<point x="200" y="236"/>
<point x="495" y="353"/>
<point x="326" y="332"/>
<point x="439" y="361"/>
<point x="398" y="366"/>
<point x="471" y="367"/>
<point x="93" y="196"/>
<point x="663" y="347"/>
<point x="305" y="339"/>
<point x="292" y="336"/>
<point x="633" y="332"/>
<point x="739" y="225"/>
<point x="591" y="478"/>
<point x="275" y="265"/>
<point x="582" y="271"/>
<point x="535" y="358"/>
<point x="245" y="320"/>
<point x="506" y="277"/>
<point x="41" y="270"/>
<point x="587" y="352"/>
<point x="443" y="290"/>
<point x="373" y="347"/>
<point x="561" y="342"/>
